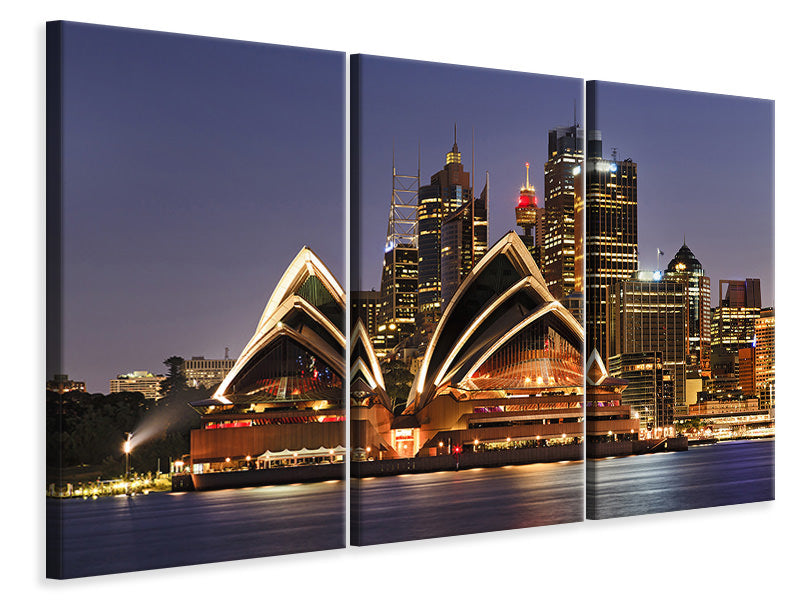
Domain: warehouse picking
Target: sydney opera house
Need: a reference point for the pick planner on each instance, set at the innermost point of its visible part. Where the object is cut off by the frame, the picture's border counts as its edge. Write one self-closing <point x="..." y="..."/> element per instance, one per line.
<point x="503" y="369"/>
<point x="282" y="403"/>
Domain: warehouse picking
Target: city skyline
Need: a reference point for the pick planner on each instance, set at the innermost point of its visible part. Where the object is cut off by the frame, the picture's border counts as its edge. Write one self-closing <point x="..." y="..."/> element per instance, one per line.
<point x="705" y="171"/>
<point x="195" y="170"/>
<point x="85" y="327"/>
<point x="408" y="105"/>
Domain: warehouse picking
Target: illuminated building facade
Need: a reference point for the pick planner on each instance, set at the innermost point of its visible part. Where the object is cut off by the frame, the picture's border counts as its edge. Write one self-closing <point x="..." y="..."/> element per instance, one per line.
<point x="284" y="395"/>
<point x="648" y="314"/>
<point x="686" y="268"/>
<point x="370" y="406"/>
<point x="580" y="232"/>
<point x="650" y="389"/>
<point x="611" y="242"/>
<point x="400" y="270"/>
<point x="765" y="357"/>
<point x="608" y="419"/>
<point x="138" y="381"/>
<point x="724" y="377"/>
<point x="398" y="301"/>
<point x="503" y="365"/>
<point x="464" y="242"/>
<point x="574" y="304"/>
<point x="61" y="384"/>
<point x="206" y="372"/>
<point x="448" y="190"/>
<point x="366" y="305"/>
<point x="733" y="328"/>
<point x="565" y="157"/>
<point x="733" y="323"/>
<point x="747" y="371"/>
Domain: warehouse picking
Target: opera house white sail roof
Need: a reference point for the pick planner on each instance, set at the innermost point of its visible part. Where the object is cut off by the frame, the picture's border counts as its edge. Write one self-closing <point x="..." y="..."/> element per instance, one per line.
<point x="297" y="351"/>
<point x="502" y="330"/>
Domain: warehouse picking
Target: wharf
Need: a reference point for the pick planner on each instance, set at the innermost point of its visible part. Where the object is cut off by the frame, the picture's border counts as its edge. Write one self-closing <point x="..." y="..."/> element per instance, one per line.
<point x="256" y="477"/>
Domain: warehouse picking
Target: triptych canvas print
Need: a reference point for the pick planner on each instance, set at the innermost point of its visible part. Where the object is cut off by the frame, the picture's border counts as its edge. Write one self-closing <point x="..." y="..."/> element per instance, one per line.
<point x="558" y="302"/>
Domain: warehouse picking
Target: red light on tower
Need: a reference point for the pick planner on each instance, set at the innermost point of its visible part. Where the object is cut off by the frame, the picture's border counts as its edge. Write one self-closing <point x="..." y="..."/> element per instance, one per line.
<point x="527" y="194"/>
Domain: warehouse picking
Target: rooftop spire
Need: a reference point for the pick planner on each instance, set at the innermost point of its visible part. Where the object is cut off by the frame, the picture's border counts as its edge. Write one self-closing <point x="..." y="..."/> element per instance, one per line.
<point x="454" y="156"/>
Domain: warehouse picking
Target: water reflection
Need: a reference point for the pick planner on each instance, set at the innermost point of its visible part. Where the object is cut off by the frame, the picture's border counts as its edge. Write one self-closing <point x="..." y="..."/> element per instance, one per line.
<point x="111" y="535"/>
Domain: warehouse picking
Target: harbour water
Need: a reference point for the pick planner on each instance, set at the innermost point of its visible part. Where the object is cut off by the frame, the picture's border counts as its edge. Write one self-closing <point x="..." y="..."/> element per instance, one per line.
<point x="724" y="473"/>
<point x="166" y="529"/>
<point x="412" y="507"/>
<point x="116" y="534"/>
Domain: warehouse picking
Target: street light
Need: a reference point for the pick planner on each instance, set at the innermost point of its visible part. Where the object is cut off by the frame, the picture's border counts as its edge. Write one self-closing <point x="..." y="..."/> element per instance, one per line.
<point x="127" y="448"/>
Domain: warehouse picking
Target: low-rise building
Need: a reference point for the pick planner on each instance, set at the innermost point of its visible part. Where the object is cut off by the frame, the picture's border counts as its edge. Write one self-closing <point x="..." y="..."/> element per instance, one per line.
<point x="138" y="381"/>
<point x="61" y="383"/>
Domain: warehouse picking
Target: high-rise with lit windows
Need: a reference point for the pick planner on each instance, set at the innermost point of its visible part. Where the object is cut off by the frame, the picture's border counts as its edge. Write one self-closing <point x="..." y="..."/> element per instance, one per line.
<point x="611" y="240"/>
<point x="686" y="268"/>
<point x="564" y="159"/>
<point x="733" y="322"/>
<point x="365" y="305"/>
<point x="765" y="357"/>
<point x="648" y="314"/>
<point x="464" y="242"/>
<point x="397" y="310"/>
<point x="449" y="190"/>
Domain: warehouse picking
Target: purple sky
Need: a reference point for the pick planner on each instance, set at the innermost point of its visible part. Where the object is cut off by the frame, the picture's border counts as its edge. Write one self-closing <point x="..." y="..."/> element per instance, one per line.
<point x="409" y="102"/>
<point x="705" y="170"/>
<point x="194" y="171"/>
<point x="196" y="168"/>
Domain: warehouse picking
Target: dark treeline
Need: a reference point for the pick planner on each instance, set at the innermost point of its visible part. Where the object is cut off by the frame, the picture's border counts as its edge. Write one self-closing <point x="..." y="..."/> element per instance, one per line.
<point x="398" y="380"/>
<point x="89" y="429"/>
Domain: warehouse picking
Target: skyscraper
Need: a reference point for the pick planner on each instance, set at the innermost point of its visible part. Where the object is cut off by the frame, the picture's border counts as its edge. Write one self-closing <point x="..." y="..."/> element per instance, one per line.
<point x="733" y="322"/>
<point x="649" y="392"/>
<point x="611" y="242"/>
<point x="365" y="305"/>
<point x="686" y="268"/>
<point x="765" y="357"/>
<point x="565" y="154"/>
<point x="464" y="242"/>
<point x="648" y="314"/>
<point x="448" y="190"/>
<point x="747" y="371"/>
<point x="399" y="275"/>
<point x="740" y="294"/>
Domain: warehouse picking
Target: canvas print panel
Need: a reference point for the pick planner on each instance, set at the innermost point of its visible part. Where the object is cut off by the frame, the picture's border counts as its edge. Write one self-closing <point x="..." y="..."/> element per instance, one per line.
<point x="196" y="319"/>
<point x="680" y="324"/>
<point x="466" y="381"/>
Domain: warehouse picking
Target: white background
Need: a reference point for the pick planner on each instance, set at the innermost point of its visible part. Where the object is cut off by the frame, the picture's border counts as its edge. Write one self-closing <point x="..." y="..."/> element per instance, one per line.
<point x="735" y="47"/>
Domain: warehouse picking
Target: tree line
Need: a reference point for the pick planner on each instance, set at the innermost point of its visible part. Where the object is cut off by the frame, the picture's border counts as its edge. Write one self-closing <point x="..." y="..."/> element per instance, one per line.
<point x="88" y="430"/>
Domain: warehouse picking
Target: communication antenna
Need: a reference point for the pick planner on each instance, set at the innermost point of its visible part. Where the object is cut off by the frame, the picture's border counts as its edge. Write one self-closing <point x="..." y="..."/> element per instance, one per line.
<point x="402" y="227"/>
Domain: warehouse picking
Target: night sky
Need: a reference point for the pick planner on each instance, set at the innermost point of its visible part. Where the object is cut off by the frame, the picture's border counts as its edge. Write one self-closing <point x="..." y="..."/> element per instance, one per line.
<point x="195" y="170"/>
<point x="410" y="102"/>
<point x="705" y="170"/>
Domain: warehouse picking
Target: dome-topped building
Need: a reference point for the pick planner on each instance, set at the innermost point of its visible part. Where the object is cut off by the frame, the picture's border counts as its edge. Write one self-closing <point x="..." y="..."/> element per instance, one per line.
<point x="687" y="268"/>
<point x="685" y="260"/>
